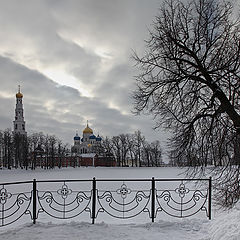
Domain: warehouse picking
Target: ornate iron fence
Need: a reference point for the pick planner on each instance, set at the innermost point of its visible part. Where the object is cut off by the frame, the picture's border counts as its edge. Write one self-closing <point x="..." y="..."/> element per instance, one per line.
<point x="118" y="198"/>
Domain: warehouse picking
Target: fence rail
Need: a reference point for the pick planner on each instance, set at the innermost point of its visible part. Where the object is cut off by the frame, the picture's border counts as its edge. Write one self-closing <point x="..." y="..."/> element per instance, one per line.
<point x="117" y="198"/>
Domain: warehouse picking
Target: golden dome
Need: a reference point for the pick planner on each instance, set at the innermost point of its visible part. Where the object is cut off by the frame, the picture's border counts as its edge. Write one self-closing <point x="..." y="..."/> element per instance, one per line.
<point x="88" y="130"/>
<point x="19" y="95"/>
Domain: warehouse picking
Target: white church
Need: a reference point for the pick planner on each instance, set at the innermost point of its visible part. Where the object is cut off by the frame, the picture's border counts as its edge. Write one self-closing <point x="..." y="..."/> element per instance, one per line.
<point x="87" y="144"/>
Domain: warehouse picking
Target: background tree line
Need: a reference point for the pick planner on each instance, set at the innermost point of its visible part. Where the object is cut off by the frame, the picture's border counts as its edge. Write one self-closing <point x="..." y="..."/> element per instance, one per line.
<point x="19" y="151"/>
<point x="133" y="150"/>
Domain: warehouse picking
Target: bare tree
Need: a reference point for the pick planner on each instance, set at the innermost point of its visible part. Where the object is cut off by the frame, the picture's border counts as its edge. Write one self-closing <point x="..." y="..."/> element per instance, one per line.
<point x="190" y="81"/>
<point x="156" y="154"/>
<point x="131" y="144"/>
<point x="124" y="148"/>
<point x="139" y="139"/>
<point x="61" y="154"/>
<point x="152" y="154"/>
<point x="46" y="150"/>
<point x="52" y="150"/>
<point x="146" y="153"/>
<point x="17" y="145"/>
<point x="33" y="144"/>
<point x="7" y="149"/>
<point x="116" y="148"/>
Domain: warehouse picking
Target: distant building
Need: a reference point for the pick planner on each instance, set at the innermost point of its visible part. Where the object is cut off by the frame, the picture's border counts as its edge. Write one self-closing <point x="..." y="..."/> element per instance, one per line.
<point x="19" y="123"/>
<point x="87" y="144"/>
<point x="87" y="151"/>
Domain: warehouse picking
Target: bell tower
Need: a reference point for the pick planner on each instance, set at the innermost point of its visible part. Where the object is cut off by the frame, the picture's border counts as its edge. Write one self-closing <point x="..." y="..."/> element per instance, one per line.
<point x="19" y="123"/>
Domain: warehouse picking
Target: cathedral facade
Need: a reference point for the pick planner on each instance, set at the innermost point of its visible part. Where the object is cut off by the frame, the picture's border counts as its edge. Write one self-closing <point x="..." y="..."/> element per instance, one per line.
<point x="88" y="143"/>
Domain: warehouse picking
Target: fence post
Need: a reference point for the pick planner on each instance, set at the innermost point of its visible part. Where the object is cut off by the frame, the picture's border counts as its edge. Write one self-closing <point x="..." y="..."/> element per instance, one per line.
<point x="93" y="200"/>
<point x="153" y="200"/>
<point x="34" y="201"/>
<point x="210" y="199"/>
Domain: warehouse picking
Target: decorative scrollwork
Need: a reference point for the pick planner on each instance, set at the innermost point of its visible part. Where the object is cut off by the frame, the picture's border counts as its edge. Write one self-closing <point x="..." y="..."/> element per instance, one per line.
<point x="64" y="191"/>
<point x="13" y="208"/>
<point x="124" y="191"/>
<point x="182" y="190"/>
<point x="184" y="205"/>
<point x="136" y="204"/>
<point x="63" y="209"/>
<point x="4" y="195"/>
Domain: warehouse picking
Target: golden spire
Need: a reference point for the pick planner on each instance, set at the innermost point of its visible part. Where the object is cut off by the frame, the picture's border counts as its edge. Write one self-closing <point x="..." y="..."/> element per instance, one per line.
<point x="88" y="129"/>
<point x="19" y="94"/>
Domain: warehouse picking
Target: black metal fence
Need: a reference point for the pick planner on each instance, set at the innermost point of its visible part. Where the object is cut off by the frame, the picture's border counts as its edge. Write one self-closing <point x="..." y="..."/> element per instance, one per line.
<point x="118" y="198"/>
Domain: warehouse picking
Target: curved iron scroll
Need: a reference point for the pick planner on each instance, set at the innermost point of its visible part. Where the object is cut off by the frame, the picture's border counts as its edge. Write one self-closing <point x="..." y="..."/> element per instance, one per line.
<point x="128" y="204"/>
<point x="13" y="206"/>
<point x="184" y="203"/>
<point x="65" y="207"/>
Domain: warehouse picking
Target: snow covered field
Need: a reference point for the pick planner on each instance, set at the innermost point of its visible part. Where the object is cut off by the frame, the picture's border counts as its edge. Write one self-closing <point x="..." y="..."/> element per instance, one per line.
<point x="223" y="226"/>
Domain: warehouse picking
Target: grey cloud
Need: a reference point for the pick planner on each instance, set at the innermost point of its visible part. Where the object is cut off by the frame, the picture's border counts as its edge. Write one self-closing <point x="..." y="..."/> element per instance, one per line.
<point x="118" y="86"/>
<point x="44" y="33"/>
<point x="39" y="90"/>
<point x="6" y="118"/>
<point x="40" y="34"/>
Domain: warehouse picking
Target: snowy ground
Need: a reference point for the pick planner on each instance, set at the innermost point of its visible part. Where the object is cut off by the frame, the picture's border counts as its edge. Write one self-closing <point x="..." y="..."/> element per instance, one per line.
<point x="223" y="226"/>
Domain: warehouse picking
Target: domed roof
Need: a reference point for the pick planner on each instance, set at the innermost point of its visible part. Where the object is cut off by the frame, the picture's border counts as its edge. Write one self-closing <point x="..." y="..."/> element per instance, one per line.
<point x="98" y="138"/>
<point x="92" y="137"/>
<point x="76" y="137"/>
<point x="88" y="130"/>
<point x="19" y="94"/>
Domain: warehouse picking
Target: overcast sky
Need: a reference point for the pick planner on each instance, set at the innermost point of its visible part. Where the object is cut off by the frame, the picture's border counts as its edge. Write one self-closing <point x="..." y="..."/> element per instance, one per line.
<point x="72" y="59"/>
